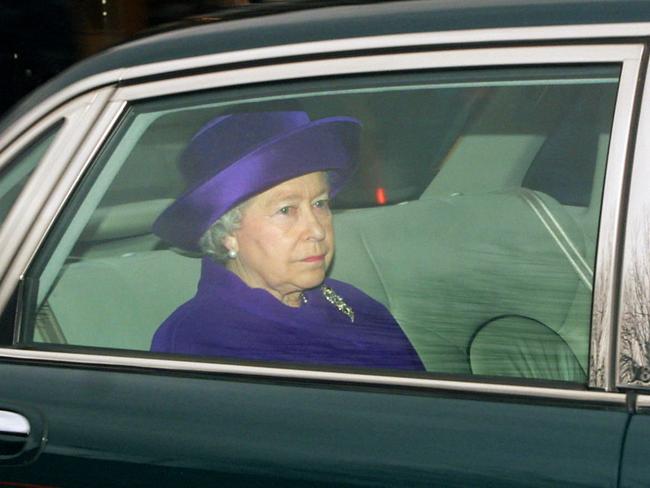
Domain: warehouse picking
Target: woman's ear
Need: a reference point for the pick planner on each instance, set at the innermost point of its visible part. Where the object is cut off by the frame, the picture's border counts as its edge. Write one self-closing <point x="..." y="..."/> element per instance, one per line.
<point x="230" y="242"/>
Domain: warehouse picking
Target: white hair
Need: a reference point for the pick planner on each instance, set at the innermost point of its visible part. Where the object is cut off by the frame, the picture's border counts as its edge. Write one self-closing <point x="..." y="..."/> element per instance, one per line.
<point x="211" y="243"/>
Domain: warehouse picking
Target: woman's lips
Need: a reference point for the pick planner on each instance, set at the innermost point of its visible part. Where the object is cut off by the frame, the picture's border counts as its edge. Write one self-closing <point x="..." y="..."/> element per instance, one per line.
<point x="314" y="259"/>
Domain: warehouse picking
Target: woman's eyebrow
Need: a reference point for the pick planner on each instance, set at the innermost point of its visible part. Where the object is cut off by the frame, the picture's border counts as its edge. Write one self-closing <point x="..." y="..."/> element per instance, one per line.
<point x="323" y="191"/>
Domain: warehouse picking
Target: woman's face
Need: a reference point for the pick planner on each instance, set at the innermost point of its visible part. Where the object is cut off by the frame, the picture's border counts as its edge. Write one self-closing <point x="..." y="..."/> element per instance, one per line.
<point x="285" y="242"/>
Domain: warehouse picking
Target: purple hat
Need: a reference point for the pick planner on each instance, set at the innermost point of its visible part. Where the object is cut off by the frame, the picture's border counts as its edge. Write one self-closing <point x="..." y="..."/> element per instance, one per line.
<point x="234" y="157"/>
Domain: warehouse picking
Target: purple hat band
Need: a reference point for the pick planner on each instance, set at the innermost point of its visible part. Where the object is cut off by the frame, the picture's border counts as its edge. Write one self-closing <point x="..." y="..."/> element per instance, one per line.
<point x="330" y="144"/>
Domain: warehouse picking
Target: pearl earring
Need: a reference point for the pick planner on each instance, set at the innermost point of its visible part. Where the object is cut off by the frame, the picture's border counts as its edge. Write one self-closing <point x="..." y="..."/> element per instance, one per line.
<point x="232" y="254"/>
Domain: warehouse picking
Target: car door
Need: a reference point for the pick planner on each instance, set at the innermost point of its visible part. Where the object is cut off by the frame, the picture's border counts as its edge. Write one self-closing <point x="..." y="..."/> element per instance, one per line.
<point x="488" y="175"/>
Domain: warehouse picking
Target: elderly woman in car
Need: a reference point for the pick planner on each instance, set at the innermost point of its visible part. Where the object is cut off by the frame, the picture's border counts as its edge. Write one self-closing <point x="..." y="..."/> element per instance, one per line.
<point x="257" y="208"/>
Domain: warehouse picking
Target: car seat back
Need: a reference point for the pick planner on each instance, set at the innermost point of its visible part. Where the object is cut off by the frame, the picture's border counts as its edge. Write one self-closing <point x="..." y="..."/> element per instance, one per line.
<point x="447" y="265"/>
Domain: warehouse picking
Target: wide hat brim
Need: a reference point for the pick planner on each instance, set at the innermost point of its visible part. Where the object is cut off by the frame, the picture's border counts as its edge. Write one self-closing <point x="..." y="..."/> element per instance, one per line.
<point x="329" y="144"/>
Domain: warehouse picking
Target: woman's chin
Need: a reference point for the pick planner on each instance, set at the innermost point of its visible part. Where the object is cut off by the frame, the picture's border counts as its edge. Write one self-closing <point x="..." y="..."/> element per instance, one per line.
<point x="312" y="279"/>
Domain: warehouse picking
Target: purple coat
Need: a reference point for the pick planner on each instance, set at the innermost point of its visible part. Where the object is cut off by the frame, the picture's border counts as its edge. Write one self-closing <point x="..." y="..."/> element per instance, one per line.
<point x="228" y="319"/>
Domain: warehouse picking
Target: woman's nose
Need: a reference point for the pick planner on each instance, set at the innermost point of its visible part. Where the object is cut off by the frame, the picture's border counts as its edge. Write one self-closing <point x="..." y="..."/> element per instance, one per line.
<point x="315" y="228"/>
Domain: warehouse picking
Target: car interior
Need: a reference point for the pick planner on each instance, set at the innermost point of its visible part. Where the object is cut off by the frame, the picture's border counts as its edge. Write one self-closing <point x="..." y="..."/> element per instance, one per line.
<point x="483" y="252"/>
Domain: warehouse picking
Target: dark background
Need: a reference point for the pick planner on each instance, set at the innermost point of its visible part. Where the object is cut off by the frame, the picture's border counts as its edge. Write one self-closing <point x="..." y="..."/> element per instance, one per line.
<point x="40" y="38"/>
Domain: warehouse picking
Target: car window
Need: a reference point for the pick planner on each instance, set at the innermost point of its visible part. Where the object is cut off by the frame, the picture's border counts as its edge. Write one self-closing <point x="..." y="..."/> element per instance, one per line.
<point x="15" y="173"/>
<point x="472" y="219"/>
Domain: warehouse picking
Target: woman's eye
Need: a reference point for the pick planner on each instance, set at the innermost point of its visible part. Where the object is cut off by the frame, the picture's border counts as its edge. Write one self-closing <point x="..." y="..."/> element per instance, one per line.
<point x="322" y="203"/>
<point x="285" y="210"/>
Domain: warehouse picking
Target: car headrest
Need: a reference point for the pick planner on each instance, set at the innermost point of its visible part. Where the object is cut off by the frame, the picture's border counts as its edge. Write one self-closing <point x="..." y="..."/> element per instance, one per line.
<point x="518" y="346"/>
<point x="124" y="220"/>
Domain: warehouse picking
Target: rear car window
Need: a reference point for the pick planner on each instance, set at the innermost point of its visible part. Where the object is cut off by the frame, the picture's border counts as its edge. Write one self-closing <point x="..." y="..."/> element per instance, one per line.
<point x="472" y="218"/>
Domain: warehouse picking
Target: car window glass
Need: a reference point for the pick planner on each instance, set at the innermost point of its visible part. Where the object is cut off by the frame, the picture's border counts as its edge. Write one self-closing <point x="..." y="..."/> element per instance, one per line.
<point x="472" y="217"/>
<point x="16" y="172"/>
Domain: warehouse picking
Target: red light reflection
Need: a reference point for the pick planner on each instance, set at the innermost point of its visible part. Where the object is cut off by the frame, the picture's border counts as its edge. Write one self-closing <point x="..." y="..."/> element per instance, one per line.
<point x="380" y="196"/>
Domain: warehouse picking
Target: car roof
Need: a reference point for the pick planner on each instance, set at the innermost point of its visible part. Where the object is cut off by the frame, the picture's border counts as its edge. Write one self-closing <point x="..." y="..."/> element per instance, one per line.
<point x="337" y="22"/>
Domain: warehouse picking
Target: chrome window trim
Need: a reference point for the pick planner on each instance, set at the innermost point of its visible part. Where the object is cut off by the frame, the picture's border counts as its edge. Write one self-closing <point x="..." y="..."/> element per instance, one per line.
<point x="643" y="401"/>
<point x="48" y="187"/>
<point x="55" y="102"/>
<point x="433" y="39"/>
<point x="44" y="176"/>
<point x="469" y="36"/>
<point x="489" y="57"/>
<point x="602" y="368"/>
<point x="32" y="134"/>
<point x="86" y="152"/>
<point x="633" y="351"/>
<point x="583" y="396"/>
